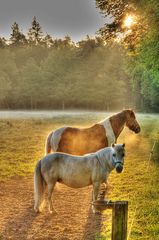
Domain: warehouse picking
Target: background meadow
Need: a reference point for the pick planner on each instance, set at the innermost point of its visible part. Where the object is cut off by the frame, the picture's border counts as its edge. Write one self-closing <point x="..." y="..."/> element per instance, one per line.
<point x="138" y="183"/>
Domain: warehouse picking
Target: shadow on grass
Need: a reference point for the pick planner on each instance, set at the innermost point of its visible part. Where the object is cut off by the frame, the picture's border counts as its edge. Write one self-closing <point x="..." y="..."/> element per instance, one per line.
<point x="93" y="225"/>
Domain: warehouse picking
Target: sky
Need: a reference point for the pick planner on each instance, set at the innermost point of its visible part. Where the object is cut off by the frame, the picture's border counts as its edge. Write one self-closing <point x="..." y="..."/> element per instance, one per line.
<point x="58" y="18"/>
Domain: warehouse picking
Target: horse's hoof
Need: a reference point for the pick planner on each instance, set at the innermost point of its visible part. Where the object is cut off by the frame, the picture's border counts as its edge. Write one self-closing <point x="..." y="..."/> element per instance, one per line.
<point x="37" y="210"/>
<point x="98" y="212"/>
<point x="53" y="212"/>
<point x="95" y="211"/>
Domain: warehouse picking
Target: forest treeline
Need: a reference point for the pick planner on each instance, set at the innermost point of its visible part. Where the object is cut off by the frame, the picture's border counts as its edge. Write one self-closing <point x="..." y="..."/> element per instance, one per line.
<point x="141" y="41"/>
<point x="38" y="71"/>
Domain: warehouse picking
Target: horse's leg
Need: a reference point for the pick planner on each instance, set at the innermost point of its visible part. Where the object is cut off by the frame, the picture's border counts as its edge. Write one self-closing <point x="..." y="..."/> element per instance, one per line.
<point x="96" y="187"/>
<point x="50" y="191"/>
<point x="103" y="190"/>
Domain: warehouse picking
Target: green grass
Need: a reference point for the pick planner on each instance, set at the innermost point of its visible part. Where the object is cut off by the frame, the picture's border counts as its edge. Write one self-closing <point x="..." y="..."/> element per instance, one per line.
<point x="22" y="141"/>
<point x="22" y="144"/>
<point x="139" y="183"/>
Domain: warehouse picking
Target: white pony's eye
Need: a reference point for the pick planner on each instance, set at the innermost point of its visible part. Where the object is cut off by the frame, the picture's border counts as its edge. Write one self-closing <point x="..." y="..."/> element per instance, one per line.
<point x="114" y="155"/>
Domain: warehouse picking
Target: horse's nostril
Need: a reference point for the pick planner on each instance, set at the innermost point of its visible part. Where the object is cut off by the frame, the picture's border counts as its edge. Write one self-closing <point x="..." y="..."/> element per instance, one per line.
<point x="119" y="169"/>
<point x="138" y="130"/>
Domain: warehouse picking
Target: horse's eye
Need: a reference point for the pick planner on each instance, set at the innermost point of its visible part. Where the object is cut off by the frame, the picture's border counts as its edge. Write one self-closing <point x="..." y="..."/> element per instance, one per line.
<point x="123" y="155"/>
<point x="114" y="155"/>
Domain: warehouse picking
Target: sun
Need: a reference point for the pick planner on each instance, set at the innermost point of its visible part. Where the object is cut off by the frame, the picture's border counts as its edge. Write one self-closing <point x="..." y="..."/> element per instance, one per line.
<point x="129" y="21"/>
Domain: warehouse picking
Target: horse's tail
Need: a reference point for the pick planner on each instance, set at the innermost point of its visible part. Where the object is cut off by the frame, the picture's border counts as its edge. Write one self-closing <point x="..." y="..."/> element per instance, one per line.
<point x="48" y="144"/>
<point x="39" y="187"/>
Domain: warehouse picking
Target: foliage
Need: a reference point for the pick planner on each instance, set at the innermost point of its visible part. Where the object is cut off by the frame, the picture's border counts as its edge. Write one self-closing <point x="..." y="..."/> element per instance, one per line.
<point x="118" y="11"/>
<point x="35" y="33"/>
<point x="17" y="37"/>
<point x="146" y="62"/>
<point x="47" y="73"/>
<point x="2" y="42"/>
<point x="38" y="71"/>
<point x="141" y="42"/>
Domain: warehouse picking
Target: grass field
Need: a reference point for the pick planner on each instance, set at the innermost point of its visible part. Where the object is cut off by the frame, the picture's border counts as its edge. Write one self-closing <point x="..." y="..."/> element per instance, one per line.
<point x="22" y="144"/>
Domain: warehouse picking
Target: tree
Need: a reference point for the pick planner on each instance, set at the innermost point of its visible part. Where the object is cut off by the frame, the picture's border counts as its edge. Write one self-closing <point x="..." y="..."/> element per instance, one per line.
<point x="87" y="46"/>
<point x="66" y="42"/>
<point x="48" y="41"/>
<point x="123" y="14"/>
<point x="17" y="37"/>
<point x="5" y="89"/>
<point x="2" y="42"/>
<point x="8" y="76"/>
<point x="141" y="40"/>
<point x="35" y="33"/>
<point x="30" y="85"/>
<point x="147" y="58"/>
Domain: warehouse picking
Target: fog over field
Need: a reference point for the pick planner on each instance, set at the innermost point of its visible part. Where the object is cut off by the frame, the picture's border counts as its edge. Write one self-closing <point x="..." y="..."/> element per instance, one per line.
<point x="24" y="114"/>
<point x="50" y="114"/>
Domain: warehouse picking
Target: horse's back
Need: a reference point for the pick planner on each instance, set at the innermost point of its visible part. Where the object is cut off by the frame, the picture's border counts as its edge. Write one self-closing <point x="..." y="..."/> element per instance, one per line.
<point x="49" y="162"/>
<point x="50" y="166"/>
<point x="54" y="138"/>
<point x="81" y="141"/>
<point x="73" y="171"/>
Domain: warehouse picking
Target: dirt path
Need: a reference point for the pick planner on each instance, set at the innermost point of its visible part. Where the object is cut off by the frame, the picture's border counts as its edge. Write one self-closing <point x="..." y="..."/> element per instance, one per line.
<point x="73" y="221"/>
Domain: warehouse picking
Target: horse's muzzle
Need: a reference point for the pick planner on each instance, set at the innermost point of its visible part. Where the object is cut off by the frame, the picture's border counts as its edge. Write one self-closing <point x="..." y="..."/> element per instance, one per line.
<point x="119" y="168"/>
<point x="137" y="130"/>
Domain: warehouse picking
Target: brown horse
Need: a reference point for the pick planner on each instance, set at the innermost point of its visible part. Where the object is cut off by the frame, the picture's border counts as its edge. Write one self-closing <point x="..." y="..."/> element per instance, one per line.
<point x="78" y="141"/>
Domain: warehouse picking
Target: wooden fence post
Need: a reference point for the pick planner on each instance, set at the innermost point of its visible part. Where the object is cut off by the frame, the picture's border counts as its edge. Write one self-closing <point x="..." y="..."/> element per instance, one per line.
<point x="119" y="220"/>
<point x="119" y="217"/>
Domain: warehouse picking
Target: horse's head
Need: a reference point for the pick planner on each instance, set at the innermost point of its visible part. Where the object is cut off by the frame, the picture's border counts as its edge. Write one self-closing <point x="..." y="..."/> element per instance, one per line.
<point x="131" y="121"/>
<point x="118" y="156"/>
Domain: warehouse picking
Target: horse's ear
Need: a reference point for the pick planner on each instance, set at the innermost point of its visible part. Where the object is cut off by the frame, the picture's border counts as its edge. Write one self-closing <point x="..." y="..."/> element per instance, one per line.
<point x="113" y="145"/>
<point x="123" y="145"/>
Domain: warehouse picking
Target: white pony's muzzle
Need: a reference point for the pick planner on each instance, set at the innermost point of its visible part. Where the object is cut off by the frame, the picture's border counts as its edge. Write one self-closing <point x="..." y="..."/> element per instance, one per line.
<point x="119" y="168"/>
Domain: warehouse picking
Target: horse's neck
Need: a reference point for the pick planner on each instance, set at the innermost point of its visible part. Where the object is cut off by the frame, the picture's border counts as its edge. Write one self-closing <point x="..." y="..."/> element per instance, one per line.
<point x="111" y="138"/>
<point x="104" y="156"/>
<point x="118" y="122"/>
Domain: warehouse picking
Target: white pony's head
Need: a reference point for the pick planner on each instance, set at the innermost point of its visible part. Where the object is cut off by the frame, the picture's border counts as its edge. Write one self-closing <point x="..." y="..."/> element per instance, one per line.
<point x="118" y="155"/>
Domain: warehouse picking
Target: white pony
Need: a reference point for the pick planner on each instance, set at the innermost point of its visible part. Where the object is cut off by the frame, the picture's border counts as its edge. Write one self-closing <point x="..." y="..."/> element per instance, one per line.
<point x="76" y="171"/>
